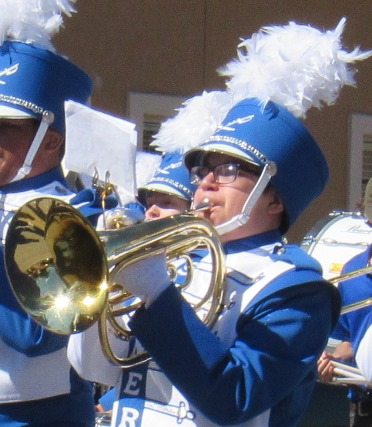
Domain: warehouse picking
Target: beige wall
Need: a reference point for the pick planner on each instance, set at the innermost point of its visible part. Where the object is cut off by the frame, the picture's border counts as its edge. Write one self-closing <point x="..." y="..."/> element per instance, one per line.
<point x="174" y="47"/>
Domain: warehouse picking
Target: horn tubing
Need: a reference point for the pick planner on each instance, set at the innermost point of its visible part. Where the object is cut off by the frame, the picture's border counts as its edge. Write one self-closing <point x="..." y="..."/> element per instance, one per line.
<point x="46" y="232"/>
<point x="351" y="275"/>
<point x="356" y="306"/>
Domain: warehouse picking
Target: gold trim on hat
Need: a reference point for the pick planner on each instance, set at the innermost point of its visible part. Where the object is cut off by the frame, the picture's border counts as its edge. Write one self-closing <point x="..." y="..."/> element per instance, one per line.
<point x="238" y="142"/>
<point x="172" y="182"/>
<point x="22" y="103"/>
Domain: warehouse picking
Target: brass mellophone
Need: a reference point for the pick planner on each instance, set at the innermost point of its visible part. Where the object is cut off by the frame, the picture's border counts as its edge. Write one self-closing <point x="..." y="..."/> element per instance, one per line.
<point x="63" y="271"/>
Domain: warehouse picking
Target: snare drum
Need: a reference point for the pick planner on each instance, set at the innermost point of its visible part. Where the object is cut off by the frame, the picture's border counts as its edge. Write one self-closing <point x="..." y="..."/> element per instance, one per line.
<point x="336" y="239"/>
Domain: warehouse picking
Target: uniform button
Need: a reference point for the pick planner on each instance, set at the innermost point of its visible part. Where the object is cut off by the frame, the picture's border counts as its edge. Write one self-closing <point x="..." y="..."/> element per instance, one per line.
<point x="60" y="190"/>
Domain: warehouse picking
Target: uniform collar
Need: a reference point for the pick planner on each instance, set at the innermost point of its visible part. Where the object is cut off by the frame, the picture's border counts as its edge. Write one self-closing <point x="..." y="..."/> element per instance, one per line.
<point x="35" y="182"/>
<point x="253" y="242"/>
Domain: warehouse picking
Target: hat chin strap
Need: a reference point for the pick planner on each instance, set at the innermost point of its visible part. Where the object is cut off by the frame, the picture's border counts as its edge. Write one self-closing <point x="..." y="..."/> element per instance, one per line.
<point x="268" y="171"/>
<point x="25" y="169"/>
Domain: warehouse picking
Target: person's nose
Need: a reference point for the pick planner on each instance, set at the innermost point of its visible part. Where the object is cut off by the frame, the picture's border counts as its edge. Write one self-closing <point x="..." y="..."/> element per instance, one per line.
<point x="208" y="182"/>
<point x="153" y="212"/>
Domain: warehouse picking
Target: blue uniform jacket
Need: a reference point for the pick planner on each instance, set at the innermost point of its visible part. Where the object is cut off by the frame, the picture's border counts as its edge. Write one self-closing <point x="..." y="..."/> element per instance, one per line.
<point x="271" y="363"/>
<point x="352" y="326"/>
<point x="20" y="333"/>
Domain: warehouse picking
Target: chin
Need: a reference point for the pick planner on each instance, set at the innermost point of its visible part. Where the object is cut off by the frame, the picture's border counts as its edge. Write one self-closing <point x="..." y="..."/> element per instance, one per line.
<point x="214" y="219"/>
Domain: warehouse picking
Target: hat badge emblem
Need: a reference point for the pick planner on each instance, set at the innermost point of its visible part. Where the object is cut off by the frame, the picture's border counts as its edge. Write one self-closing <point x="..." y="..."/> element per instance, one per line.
<point x="171" y="166"/>
<point x="8" y="72"/>
<point x="239" y="121"/>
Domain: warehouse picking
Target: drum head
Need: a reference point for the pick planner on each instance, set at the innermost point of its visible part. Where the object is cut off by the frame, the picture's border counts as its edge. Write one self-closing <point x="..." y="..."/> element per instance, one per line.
<point x="336" y="239"/>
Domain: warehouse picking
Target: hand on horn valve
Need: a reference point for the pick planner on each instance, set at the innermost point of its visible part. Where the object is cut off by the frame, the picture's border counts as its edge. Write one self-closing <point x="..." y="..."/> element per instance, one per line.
<point x="146" y="278"/>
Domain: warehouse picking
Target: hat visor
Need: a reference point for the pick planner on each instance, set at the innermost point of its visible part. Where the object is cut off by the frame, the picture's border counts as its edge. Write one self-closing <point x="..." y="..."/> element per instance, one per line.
<point x="13" y="113"/>
<point x="194" y="155"/>
<point x="160" y="188"/>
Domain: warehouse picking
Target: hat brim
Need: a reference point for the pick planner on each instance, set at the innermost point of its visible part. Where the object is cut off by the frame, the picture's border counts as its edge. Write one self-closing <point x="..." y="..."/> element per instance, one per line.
<point x="192" y="156"/>
<point x="158" y="188"/>
<point x="12" y="113"/>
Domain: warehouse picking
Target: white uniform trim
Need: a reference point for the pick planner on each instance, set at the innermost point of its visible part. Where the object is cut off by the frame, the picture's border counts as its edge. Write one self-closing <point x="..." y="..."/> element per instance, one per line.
<point x="164" y="404"/>
<point x="363" y="355"/>
<point x="17" y="383"/>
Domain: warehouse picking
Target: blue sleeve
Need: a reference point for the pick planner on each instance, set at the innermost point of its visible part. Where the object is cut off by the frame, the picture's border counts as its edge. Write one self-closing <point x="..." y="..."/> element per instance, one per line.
<point x="108" y="399"/>
<point x="17" y="329"/>
<point x="89" y="204"/>
<point x="340" y="332"/>
<point x="278" y="342"/>
<point x="352" y="326"/>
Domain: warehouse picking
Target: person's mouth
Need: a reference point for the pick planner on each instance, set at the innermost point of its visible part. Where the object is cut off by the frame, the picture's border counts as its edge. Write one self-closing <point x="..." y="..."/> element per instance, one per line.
<point x="205" y="208"/>
<point x="205" y="205"/>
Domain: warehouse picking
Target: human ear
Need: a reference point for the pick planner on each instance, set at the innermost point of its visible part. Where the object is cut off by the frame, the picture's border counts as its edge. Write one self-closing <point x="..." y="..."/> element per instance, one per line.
<point x="275" y="205"/>
<point x="53" y="141"/>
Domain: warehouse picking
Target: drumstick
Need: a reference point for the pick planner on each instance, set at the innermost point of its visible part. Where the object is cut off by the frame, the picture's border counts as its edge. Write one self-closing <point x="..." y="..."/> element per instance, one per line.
<point x="353" y="381"/>
<point x="346" y="367"/>
<point x="348" y="374"/>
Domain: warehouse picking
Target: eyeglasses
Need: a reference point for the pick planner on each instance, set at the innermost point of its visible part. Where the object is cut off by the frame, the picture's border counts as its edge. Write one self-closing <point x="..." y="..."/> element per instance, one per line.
<point x="222" y="174"/>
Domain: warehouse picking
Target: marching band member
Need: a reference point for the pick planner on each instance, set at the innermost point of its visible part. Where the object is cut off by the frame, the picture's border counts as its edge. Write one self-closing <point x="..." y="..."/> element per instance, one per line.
<point x="363" y="349"/>
<point x="257" y="172"/>
<point x="37" y="384"/>
<point x="353" y="330"/>
<point x="169" y="191"/>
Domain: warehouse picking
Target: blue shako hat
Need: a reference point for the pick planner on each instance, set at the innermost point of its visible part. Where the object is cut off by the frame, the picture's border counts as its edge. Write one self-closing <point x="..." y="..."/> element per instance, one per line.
<point x="34" y="81"/>
<point x="277" y="76"/>
<point x="258" y="134"/>
<point x="172" y="177"/>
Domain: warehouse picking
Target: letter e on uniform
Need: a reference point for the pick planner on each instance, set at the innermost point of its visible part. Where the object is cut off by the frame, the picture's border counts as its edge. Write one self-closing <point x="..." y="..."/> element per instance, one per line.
<point x="132" y="387"/>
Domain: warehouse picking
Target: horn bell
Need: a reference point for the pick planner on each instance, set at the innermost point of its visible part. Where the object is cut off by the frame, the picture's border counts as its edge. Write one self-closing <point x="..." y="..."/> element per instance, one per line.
<point x="56" y="266"/>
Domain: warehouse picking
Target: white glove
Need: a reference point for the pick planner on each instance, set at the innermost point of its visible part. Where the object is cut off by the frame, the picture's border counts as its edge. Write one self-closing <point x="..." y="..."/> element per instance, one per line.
<point x="146" y="278"/>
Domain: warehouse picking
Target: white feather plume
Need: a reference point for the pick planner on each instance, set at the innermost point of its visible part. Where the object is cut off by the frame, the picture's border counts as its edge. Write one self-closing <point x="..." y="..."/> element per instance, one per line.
<point x="296" y="66"/>
<point x="197" y="119"/>
<point x="33" y="21"/>
<point x="146" y="165"/>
